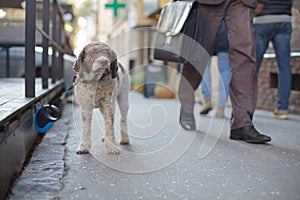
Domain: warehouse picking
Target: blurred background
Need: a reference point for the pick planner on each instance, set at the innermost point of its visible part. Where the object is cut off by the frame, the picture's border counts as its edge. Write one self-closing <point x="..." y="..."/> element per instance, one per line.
<point x="94" y="20"/>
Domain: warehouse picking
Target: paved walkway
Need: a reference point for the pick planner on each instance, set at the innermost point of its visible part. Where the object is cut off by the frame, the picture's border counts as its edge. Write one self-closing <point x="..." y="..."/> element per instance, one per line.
<point x="163" y="161"/>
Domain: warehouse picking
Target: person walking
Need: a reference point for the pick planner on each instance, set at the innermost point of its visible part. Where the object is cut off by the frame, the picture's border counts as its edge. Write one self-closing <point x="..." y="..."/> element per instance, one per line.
<point x="221" y="51"/>
<point x="273" y="22"/>
<point x="238" y="18"/>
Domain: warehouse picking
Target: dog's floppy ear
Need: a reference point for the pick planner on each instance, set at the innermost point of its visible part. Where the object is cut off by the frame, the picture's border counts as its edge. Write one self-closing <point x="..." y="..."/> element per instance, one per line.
<point x="114" y="66"/>
<point x="79" y="61"/>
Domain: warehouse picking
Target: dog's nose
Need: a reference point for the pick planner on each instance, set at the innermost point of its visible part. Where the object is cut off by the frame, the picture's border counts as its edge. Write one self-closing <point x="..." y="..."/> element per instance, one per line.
<point x="103" y="61"/>
<point x="100" y="63"/>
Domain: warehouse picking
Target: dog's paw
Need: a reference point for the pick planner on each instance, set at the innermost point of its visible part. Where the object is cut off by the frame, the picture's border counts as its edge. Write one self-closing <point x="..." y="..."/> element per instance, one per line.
<point x="82" y="149"/>
<point x="124" y="141"/>
<point x="110" y="147"/>
<point x="112" y="150"/>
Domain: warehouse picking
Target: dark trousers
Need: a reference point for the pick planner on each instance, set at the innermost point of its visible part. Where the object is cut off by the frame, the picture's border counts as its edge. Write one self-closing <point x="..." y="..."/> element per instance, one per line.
<point x="243" y="86"/>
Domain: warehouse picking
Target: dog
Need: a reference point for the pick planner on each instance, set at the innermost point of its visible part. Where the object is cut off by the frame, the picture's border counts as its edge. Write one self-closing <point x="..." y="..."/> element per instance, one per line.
<point x="101" y="80"/>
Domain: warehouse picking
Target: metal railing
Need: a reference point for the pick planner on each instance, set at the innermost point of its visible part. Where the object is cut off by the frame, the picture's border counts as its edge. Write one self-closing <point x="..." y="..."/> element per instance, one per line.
<point x="54" y="41"/>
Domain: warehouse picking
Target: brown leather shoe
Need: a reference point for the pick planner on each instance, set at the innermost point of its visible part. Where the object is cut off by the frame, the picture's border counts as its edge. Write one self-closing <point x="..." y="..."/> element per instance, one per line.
<point x="280" y="114"/>
<point x="249" y="134"/>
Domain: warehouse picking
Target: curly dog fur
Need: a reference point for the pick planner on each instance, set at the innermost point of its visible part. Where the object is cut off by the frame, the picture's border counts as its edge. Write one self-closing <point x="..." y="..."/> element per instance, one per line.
<point x="101" y="80"/>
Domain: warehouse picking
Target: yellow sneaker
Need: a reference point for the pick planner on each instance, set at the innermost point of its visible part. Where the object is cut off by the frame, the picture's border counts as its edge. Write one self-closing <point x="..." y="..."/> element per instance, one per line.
<point x="280" y="114"/>
<point x="207" y="106"/>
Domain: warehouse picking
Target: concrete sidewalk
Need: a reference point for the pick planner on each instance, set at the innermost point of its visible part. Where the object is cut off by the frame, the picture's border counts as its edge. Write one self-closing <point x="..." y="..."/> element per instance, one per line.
<point x="163" y="161"/>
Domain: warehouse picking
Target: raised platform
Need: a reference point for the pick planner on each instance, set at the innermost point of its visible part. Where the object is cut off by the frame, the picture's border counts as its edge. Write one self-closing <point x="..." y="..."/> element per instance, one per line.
<point x="17" y="132"/>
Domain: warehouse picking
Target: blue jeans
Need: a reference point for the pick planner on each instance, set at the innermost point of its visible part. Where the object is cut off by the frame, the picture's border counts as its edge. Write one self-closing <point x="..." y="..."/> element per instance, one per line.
<point x="224" y="70"/>
<point x="280" y="36"/>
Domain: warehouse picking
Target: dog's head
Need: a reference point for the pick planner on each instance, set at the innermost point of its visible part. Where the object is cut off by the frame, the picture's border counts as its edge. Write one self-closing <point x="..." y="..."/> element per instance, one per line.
<point x="95" y="60"/>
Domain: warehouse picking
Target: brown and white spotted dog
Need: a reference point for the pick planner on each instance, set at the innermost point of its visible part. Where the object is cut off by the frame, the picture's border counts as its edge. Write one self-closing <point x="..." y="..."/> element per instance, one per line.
<point x="101" y="80"/>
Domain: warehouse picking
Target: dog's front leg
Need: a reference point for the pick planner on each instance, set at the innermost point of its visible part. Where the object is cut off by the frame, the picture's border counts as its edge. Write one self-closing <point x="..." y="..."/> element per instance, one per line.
<point x="123" y="106"/>
<point x="85" y="142"/>
<point x="109" y="139"/>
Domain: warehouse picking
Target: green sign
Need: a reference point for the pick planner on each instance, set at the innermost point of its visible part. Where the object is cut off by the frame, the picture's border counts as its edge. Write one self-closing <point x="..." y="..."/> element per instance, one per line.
<point x="115" y="5"/>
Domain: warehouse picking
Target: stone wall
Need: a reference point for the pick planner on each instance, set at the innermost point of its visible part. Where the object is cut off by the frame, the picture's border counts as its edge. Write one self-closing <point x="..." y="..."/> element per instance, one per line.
<point x="267" y="85"/>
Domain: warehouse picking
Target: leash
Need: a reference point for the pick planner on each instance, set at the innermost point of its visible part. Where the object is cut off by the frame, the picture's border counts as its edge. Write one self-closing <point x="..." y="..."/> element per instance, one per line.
<point x="73" y="85"/>
<point x="75" y="82"/>
<point x="64" y="94"/>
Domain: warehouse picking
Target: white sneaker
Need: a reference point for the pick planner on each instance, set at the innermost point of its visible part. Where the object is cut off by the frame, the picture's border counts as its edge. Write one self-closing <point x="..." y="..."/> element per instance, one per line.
<point x="220" y="112"/>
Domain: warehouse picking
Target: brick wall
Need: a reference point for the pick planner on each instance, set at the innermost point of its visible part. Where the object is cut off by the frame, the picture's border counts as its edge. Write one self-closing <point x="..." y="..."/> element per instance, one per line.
<point x="267" y="91"/>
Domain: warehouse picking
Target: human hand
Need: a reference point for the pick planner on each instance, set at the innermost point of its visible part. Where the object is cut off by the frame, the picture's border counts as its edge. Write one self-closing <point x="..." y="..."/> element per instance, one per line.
<point x="259" y="8"/>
